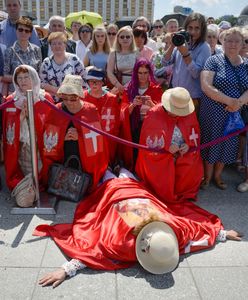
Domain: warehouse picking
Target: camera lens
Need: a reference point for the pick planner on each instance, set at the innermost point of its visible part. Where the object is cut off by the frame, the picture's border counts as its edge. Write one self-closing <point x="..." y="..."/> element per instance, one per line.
<point x="178" y="39"/>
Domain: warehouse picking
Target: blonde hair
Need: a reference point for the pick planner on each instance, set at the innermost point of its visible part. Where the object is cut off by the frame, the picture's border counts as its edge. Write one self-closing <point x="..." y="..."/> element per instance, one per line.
<point x="151" y="218"/>
<point x="94" y="47"/>
<point x="117" y="46"/>
<point x="233" y="30"/>
<point x="57" y="35"/>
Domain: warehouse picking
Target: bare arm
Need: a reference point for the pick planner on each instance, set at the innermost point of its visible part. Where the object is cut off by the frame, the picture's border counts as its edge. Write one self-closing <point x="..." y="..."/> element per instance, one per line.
<point x="212" y="92"/>
<point x="86" y="60"/>
<point x="110" y="72"/>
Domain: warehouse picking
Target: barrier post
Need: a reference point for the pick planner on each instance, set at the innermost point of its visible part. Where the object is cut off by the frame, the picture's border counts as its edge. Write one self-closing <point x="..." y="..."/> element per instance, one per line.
<point x="43" y="200"/>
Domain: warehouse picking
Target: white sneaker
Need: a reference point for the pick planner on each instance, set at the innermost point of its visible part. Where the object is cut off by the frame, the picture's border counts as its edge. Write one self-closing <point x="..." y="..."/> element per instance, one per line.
<point x="243" y="187"/>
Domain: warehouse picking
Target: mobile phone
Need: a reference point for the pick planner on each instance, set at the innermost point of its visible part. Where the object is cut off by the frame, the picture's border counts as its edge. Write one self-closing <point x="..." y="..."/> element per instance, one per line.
<point x="143" y="98"/>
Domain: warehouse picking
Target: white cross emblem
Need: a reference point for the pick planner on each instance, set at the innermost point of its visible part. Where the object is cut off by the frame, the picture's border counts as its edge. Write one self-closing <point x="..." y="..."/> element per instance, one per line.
<point x="92" y="135"/>
<point x="195" y="243"/>
<point x="194" y="136"/>
<point x="108" y="117"/>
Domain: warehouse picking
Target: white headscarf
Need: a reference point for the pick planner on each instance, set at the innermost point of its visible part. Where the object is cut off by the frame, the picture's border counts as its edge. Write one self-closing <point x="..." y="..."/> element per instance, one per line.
<point x="38" y="93"/>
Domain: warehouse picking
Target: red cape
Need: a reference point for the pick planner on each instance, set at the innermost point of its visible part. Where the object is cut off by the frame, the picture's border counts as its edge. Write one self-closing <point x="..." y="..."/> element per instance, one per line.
<point x="171" y="180"/>
<point x="109" y="113"/>
<point x="92" y="148"/>
<point x="125" y="152"/>
<point x="11" y="137"/>
<point x="101" y="237"/>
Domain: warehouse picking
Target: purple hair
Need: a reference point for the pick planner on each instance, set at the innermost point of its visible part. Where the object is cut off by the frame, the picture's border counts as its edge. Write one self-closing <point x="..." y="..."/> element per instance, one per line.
<point x="133" y="86"/>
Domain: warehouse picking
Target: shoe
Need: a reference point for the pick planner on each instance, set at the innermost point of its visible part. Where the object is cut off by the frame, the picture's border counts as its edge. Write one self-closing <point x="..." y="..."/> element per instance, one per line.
<point x="239" y="166"/>
<point x="220" y="184"/>
<point x="243" y="187"/>
<point x="204" y="184"/>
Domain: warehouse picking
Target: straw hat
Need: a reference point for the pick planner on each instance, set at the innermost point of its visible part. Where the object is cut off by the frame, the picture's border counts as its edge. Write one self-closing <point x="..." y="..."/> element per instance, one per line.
<point x="178" y="101"/>
<point x="157" y="248"/>
<point x="71" y="85"/>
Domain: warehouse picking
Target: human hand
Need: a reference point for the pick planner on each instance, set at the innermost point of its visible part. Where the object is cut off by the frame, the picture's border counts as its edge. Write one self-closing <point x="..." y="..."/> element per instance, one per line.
<point x="148" y="101"/>
<point x="183" y="49"/>
<point x="183" y="149"/>
<point x="234" y="235"/>
<point x="71" y="134"/>
<point x="137" y="101"/>
<point x="233" y="106"/>
<point x="55" y="278"/>
<point x="173" y="149"/>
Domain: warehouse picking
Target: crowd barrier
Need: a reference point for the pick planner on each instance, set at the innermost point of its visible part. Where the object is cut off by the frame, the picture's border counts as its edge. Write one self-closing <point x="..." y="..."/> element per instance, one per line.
<point x="43" y="203"/>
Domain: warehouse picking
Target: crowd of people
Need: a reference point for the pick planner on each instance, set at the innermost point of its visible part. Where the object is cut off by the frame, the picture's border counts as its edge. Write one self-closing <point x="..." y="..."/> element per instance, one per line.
<point x="159" y="85"/>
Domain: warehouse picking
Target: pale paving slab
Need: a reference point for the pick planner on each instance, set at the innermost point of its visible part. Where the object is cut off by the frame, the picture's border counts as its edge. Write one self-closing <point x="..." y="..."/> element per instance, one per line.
<point x="138" y="284"/>
<point x="88" y="284"/>
<point x="228" y="283"/>
<point x="17" y="245"/>
<point x="17" y="283"/>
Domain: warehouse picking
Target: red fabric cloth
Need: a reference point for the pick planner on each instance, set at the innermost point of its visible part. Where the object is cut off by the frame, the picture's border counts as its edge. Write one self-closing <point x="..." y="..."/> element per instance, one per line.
<point x="155" y="92"/>
<point x="101" y="233"/>
<point x="170" y="179"/>
<point x="93" y="154"/>
<point x="109" y="111"/>
<point x="11" y="137"/>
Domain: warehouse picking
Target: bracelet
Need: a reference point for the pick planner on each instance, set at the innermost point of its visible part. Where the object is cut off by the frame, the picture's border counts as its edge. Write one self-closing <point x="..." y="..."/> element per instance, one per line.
<point x="187" y="55"/>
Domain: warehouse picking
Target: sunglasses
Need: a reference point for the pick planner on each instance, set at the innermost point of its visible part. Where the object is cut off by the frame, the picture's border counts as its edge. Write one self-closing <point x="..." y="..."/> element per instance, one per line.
<point x="122" y="37"/>
<point x="23" y="30"/>
<point x="246" y="41"/>
<point x="158" y="26"/>
<point x="112" y="33"/>
<point x="84" y="31"/>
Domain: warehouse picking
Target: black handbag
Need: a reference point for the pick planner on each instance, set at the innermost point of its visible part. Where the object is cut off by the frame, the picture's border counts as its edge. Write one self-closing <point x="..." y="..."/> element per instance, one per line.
<point x="244" y="114"/>
<point x="68" y="183"/>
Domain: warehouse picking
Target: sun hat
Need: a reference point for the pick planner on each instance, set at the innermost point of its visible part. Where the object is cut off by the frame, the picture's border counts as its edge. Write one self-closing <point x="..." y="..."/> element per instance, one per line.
<point x="94" y="73"/>
<point x="224" y="25"/>
<point x="157" y="248"/>
<point x="71" y="85"/>
<point x="178" y="101"/>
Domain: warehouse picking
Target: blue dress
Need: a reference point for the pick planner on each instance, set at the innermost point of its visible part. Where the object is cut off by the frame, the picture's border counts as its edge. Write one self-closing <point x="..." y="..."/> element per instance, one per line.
<point x="213" y="115"/>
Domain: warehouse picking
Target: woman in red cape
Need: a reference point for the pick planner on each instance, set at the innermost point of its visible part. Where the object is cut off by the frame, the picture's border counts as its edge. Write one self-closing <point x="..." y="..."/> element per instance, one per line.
<point x="101" y="235"/>
<point x="15" y="128"/>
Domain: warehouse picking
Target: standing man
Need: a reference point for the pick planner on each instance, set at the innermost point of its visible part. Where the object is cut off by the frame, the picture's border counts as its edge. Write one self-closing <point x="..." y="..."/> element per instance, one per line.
<point x="8" y="26"/>
<point x="56" y="24"/>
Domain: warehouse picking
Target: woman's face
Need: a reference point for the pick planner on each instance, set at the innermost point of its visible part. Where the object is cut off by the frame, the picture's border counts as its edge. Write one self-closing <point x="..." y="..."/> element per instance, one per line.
<point x="58" y="46"/>
<point x="212" y="40"/>
<point x="194" y="29"/>
<point x="100" y="38"/>
<point x="143" y="75"/>
<point x="125" y="39"/>
<point x="244" y="50"/>
<point x="95" y="85"/>
<point x="85" y="35"/>
<point x="70" y="101"/>
<point x="112" y="34"/>
<point x="139" y="41"/>
<point x="24" y="82"/>
<point x="158" y="28"/>
<point x="233" y="43"/>
<point x="23" y="33"/>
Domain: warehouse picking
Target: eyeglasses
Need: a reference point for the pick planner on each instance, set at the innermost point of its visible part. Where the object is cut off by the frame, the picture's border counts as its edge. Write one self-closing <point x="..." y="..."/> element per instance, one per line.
<point x="158" y="26"/>
<point x="23" y="30"/>
<point x="69" y="99"/>
<point x="122" y="37"/>
<point x="85" y="31"/>
<point x="112" y="33"/>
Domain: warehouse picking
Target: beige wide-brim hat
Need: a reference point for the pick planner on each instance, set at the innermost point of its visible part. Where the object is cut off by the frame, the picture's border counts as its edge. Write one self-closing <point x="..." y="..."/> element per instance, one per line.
<point x="178" y="101"/>
<point x="157" y="248"/>
<point x="71" y="85"/>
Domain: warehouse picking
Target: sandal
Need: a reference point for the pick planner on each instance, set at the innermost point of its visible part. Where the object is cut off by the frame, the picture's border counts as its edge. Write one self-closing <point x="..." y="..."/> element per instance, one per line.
<point x="204" y="184"/>
<point x="220" y="184"/>
<point x="243" y="187"/>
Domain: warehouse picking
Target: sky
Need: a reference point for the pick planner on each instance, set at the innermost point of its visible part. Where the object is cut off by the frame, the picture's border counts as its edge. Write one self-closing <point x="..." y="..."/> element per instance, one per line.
<point x="213" y="8"/>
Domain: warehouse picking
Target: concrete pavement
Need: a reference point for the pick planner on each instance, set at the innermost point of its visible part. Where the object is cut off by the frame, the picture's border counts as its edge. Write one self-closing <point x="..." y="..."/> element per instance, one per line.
<point x="220" y="273"/>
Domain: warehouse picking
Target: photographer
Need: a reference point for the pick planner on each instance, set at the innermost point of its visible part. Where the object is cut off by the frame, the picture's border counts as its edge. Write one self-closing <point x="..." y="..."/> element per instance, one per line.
<point x="188" y="54"/>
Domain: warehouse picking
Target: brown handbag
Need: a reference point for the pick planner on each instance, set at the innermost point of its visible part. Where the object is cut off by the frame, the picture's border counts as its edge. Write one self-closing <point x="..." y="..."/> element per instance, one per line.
<point x="117" y="74"/>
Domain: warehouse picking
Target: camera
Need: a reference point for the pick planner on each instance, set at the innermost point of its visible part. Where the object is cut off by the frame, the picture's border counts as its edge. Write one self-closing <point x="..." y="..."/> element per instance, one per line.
<point x="180" y="37"/>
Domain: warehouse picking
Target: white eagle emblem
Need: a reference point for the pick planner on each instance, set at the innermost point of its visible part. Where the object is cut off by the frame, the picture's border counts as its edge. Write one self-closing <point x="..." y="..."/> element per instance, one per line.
<point x="157" y="143"/>
<point x="10" y="134"/>
<point x="50" y="141"/>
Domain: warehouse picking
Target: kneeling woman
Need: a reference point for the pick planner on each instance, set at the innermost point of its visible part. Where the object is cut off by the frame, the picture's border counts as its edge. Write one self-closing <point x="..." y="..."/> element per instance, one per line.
<point x="171" y="127"/>
<point x="17" y="154"/>
<point x="63" y="137"/>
